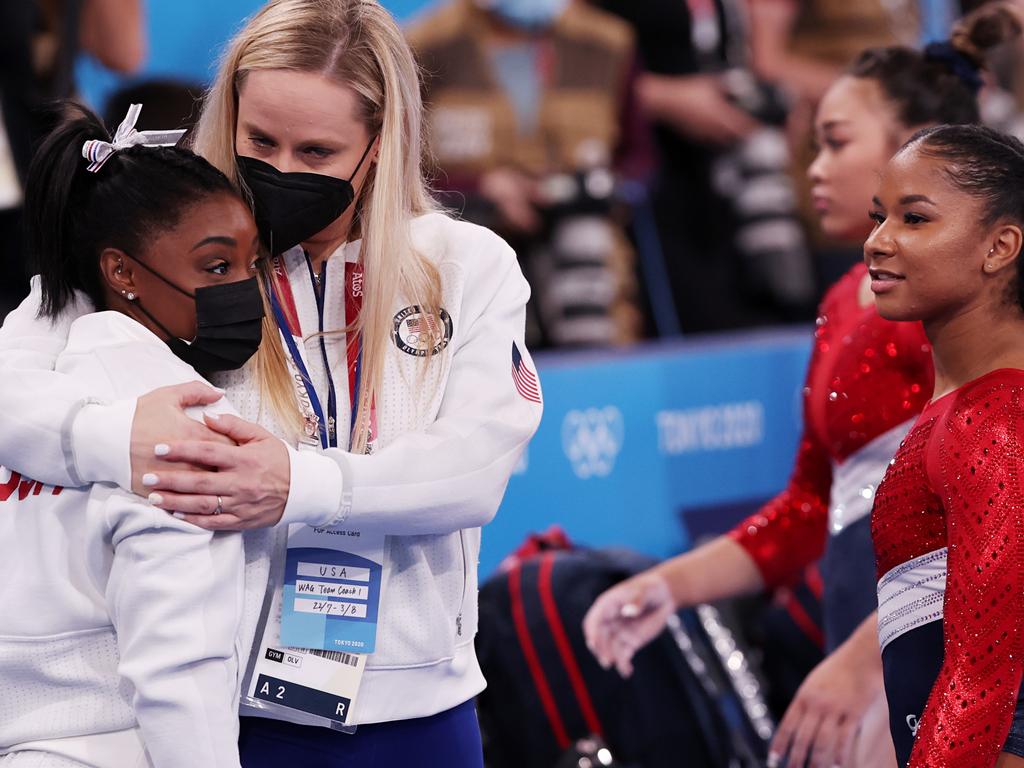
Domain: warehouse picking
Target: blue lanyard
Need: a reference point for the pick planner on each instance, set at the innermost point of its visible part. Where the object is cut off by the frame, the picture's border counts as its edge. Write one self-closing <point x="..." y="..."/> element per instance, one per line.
<point x="293" y="350"/>
<point x="326" y="423"/>
<point x="332" y="398"/>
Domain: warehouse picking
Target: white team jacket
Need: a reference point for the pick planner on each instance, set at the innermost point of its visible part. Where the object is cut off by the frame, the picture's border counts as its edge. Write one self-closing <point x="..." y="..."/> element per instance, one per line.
<point x="441" y="463"/>
<point x="116" y="615"/>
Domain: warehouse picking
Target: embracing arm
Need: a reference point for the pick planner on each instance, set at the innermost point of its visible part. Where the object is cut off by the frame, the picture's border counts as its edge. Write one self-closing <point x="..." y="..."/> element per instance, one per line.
<point x="449" y="476"/>
<point x="971" y="705"/>
<point x="46" y="416"/>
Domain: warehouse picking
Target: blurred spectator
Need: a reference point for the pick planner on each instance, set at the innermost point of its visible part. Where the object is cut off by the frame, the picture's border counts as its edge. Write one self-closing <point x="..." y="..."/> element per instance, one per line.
<point x="723" y="202"/>
<point x="527" y="116"/>
<point x="802" y="46"/>
<point x="805" y="44"/>
<point x="39" y="42"/>
<point x="1002" y="99"/>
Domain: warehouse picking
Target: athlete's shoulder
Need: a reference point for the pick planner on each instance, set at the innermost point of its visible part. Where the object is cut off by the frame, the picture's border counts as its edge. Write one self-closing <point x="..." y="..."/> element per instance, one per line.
<point x="987" y="414"/>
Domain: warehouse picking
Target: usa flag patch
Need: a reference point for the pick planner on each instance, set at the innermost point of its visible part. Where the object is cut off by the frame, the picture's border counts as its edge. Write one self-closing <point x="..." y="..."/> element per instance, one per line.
<point x="524" y="379"/>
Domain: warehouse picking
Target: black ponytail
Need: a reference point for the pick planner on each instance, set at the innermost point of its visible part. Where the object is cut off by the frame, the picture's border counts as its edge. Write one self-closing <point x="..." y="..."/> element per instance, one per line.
<point x="72" y="215"/>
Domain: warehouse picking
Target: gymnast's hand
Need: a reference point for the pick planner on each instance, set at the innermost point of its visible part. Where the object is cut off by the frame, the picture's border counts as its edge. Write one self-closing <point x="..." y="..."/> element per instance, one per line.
<point x="627" y="617"/>
<point x="233" y="477"/>
<point x="821" y="724"/>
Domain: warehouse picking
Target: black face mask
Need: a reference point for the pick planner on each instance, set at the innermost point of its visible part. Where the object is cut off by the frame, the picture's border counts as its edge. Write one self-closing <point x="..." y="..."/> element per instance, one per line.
<point x="292" y="207"/>
<point x="229" y="324"/>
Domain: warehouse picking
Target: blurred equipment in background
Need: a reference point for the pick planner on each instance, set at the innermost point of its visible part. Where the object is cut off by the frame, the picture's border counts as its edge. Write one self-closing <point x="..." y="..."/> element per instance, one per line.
<point x="39" y="43"/>
<point x="693" y="699"/>
<point x="529" y="125"/>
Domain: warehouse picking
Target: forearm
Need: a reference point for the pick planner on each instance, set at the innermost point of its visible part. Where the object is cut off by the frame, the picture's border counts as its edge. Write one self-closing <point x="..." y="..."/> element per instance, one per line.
<point x="771" y="27"/>
<point x="48" y="431"/>
<point x="114" y="32"/>
<point x="861" y="649"/>
<point x="654" y="94"/>
<point x="713" y="571"/>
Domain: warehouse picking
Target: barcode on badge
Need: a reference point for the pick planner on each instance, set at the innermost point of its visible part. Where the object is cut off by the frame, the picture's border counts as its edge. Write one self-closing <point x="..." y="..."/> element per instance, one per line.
<point x="345" y="658"/>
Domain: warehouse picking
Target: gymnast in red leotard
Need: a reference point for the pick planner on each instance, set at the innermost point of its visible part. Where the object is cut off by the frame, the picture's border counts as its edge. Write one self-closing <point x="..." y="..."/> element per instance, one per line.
<point x="867" y="380"/>
<point x="948" y="519"/>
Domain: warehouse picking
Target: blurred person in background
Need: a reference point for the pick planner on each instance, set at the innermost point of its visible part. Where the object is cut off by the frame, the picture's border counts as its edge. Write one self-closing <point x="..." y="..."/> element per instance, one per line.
<point x="801" y="46"/>
<point x="175" y="103"/>
<point x="867" y="379"/>
<point x="722" y="201"/>
<point x="39" y="43"/>
<point x="529" y="127"/>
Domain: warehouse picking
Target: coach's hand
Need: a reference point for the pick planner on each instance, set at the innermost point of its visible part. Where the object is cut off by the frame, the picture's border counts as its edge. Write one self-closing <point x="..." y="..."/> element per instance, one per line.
<point x="224" y="487"/>
<point x="160" y="418"/>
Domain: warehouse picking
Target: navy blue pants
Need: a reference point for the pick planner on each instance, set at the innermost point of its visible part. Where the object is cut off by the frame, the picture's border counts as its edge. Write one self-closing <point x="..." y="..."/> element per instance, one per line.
<point x="446" y="740"/>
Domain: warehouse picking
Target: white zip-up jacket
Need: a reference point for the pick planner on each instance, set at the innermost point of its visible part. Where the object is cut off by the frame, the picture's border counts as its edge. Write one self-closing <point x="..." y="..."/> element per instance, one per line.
<point x="115" y="614"/>
<point x="447" y="443"/>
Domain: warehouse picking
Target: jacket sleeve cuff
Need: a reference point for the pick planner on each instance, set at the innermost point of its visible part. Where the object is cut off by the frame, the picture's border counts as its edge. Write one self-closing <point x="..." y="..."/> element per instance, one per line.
<point x="315" y="492"/>
<point x="98" y="444"/>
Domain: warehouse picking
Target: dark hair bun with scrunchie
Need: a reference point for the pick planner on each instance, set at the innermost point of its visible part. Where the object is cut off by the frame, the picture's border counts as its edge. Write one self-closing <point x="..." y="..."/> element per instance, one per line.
<point x="941" y="83"/>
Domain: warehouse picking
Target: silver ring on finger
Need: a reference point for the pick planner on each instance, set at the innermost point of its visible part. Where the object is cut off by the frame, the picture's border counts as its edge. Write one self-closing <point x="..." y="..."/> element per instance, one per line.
<point x="220" y="506"/>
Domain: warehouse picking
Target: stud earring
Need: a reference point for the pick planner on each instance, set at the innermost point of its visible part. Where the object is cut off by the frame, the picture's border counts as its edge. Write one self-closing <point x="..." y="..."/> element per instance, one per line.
<point x="128" y="295"/>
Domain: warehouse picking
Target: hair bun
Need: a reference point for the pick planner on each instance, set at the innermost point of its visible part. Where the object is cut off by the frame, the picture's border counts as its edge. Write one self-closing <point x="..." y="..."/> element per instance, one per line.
<point x="985" y="28"/>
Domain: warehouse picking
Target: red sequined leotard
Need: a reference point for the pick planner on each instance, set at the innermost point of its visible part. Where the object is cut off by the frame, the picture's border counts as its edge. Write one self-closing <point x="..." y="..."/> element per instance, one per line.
<point x="866" y="376"/>
<point x="948" y="526"/>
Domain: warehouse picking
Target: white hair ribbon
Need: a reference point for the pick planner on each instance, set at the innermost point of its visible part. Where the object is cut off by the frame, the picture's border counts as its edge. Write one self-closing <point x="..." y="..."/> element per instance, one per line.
<point x="98" y="152"/>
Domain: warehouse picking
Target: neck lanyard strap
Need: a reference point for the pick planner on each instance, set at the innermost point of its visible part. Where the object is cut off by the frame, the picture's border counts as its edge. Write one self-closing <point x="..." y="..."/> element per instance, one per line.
<point x="354" y="347"/>
<point x="354" y="342"/>
<point x="293" y="350"/>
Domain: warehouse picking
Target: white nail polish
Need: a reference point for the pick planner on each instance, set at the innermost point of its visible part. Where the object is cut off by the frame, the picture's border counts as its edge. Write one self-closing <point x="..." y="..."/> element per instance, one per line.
<point x="212" y="415"/>
<point x="179" y="515"/>
<point x="629" y="611"/>
<point x="161" y="449"/>
<point x="149" y="479"/>
<point x="155" y="499"/>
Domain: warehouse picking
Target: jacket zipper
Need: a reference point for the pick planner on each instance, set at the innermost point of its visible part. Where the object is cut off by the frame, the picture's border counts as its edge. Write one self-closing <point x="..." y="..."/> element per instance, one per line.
<point x="319" y="292"/>
<point x="465" y="584"/>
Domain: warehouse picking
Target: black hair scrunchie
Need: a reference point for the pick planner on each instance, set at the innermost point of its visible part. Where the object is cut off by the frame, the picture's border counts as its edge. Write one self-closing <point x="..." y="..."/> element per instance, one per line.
<point x="959" y="64"/>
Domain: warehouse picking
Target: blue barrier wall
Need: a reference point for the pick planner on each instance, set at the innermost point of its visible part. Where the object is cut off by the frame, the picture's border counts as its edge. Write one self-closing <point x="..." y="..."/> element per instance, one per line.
<point x="629" y="440"/>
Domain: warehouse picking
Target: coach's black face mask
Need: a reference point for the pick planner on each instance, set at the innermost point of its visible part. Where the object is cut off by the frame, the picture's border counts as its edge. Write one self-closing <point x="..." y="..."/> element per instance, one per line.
<point x="292" y="207"/>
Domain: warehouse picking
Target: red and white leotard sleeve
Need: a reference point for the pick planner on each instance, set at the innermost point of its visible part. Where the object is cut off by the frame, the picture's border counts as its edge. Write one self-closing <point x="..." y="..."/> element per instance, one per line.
<point x="789" y="532"/>
<point x="976" y="466"/>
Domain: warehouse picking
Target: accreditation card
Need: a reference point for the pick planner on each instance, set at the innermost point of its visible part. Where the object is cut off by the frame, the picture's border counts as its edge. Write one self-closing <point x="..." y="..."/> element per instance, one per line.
<point x="317" y="685"/>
